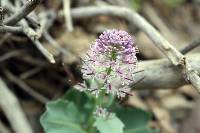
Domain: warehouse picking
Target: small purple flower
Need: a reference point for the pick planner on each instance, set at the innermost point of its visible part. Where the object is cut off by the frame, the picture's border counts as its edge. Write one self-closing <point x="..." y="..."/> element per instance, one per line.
<point x="111" y="57"/>
<point x="102" y="112"/>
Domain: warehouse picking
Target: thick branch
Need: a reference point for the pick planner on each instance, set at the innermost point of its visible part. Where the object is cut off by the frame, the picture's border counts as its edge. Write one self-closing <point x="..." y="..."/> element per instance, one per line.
<point x="162" y="74"/>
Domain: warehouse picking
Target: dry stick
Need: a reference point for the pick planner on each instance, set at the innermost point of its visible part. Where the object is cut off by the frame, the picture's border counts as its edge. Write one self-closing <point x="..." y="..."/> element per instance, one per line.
<point x="33" y="36"/>
<point x="26" y="88"/>
<point x="3" y="128"/>
<point x="11" y="29"/>
<point x="1" y="16"/>
<point x="32" y="22"/>
<point x="4" y="38"/>
<point x="46" y="19"/>
<point x="30" y="73"/>
<point x="44" y="23"/>
<point x="11" y="107"/>
<point x="191" y="46"/>
<point x="49" y="38"/>
<point x="153" y="16"/>
<point x="9" y="7"/>
<point x="67" y="13"/>
<point x="45" y="52"/>
<point x="162" y="74"/>
<point x="55" y="44"/>
<point x="35" y="62"/>
<point x="28" y="7"/>
<point x="133" y="17"/>
<point x="10" y="54"/>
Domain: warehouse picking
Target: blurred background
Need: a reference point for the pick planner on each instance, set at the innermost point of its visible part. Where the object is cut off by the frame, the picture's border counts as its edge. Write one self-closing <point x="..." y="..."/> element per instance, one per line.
<point x="34" y="81"/>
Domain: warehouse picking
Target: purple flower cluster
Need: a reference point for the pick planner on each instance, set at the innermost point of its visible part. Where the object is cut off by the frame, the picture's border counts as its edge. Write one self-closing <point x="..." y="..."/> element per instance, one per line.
<point x="111" y="57"/>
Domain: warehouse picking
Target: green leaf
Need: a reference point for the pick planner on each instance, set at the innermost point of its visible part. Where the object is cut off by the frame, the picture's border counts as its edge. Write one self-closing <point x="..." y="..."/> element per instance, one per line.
<point x="135" y="120"/>
<point x="84" y="102"/>
<point x="62" y="116"/>
<point x="73" y="113"/>
<point x="112" y="124"/>
<point x="133" y="117"/>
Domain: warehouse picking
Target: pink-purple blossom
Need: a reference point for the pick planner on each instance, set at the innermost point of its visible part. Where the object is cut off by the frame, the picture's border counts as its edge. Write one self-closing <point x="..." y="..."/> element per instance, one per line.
<point x="112" y="56"/>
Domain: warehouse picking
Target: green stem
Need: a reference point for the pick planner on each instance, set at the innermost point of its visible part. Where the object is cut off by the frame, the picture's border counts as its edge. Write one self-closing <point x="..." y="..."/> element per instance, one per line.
<point x="111" y="99"/>
<point x="99" y="101"/>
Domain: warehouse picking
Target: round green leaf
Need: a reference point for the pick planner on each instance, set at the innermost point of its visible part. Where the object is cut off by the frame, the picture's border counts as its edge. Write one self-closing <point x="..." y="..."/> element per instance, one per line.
<point x="109" y="125"/>
<point x="133" y="117"/>
<point x="83" y="102"/>
<point x="62" y="116"/>
<point x="135" y="120"/>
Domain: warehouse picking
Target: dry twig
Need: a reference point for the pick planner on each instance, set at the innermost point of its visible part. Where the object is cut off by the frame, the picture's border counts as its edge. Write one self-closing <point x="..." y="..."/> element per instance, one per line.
<point x="9" y="103"/>
<point x="67" y="12"/>
<point x="26" y="88"/>
<point x="3" y="128"/>
<point x="9" y="55"/>
<point x="12" y="29"/>
<point x="34" y="36"/>
<point x="191" y="46"/>
<point x="1" y="16"/>
<point x="28" y="7"/>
